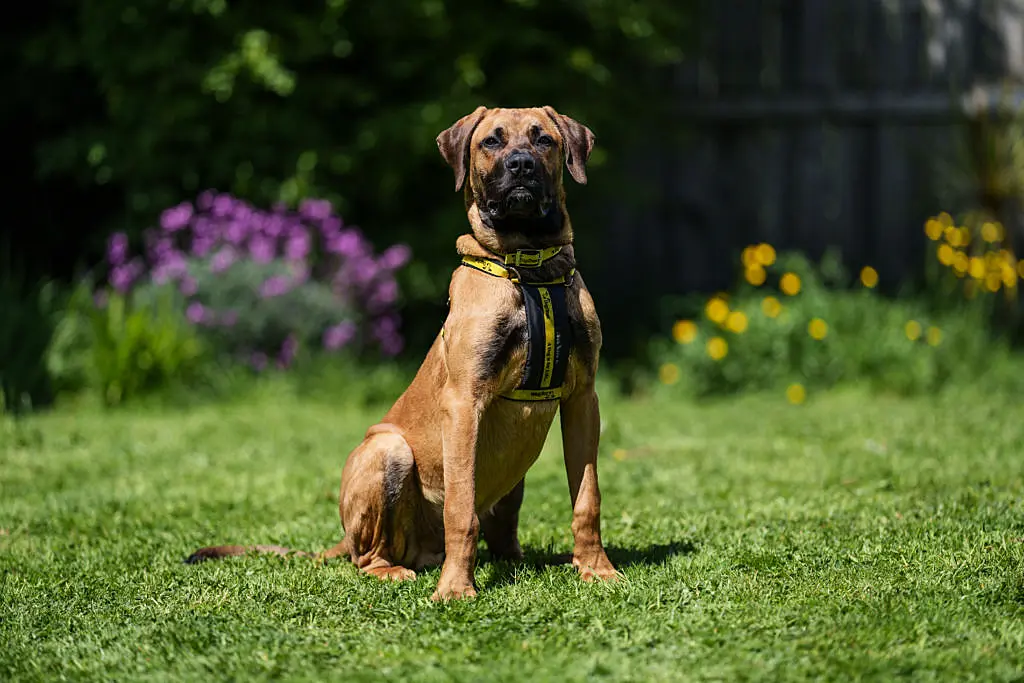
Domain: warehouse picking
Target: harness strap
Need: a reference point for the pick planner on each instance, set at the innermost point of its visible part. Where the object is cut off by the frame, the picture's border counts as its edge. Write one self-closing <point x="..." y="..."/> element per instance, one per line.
<point x="549" y="335"/>
<point x="493" y="267"/>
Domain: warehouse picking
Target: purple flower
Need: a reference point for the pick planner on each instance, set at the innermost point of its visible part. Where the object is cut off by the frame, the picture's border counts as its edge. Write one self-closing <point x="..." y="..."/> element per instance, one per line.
<point x="122" y="277"/>
<point x="395" y="256"/>
<point x="236" y="232"/>
<point x="171" y="267"/>
<point x="330" y="226"/>
<point x="188" y="286"/>
<point x="223" y="204"/>
<point x="117" y="248"/>
<point x="205" y="200"/>
<point x="383" y="296"/>
<point x="273" y="226"/>
<point x="229" y="318"/>
<point x="288" y="350"/>
<point x="201" y="246"/>
<point x="348" y="244"/>
<point x="364" y="270"/>
<point x="297" y="246"/>
<point x="176" y="217"/>
<point x="338" y="335"/>
<point x="261" y="249"/>
<point x="315" y="209"/>
<point x="195" y="312"/>
<point x="222" y="260"/>
<point x="275" y="285"/>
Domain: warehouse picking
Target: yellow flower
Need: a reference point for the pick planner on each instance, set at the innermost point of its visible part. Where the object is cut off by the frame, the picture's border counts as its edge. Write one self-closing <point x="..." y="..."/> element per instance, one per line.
<point x="945" y="254"/>
<point x="945" y="219"/>
<point x="1009" y="277"/>
<point x="684" y="331"/>
<point x="717" y="310"/>
<point x="965" y="236"/>
<point x="619" y="454"/>
<point x="961" y="263"/>
<point x="913" y="330"/>
<point x="717" y="348"/>
<point x="952" y="236"/>
<point x="934" y="336"/>
<point x="750" y="256"/>
<point x="869" y="277"/>
<point x="765" y="254"/>
<point x="790" y="284"/>
<point x="796" y="394"/>
<point x="736" y="322"/>
<point x="668" y="373"/>
<point x="933" y="229"/>
<point x="756" y="275"/>
<point x="817" y="328"/>
<point x="993" y="281"/>
<point x="992" y="232"/>
<point x="771" y="307"/>
<point x="977" y="267"/>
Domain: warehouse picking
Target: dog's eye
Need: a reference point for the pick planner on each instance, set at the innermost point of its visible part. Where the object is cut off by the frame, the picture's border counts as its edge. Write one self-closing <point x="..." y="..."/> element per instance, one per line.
<point x="491" y="142"/>
<point x="546" y="140"/>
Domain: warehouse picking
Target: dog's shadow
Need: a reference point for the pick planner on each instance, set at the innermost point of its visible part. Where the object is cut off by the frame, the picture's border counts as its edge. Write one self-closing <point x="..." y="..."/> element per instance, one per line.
<point x="504" y="571"/>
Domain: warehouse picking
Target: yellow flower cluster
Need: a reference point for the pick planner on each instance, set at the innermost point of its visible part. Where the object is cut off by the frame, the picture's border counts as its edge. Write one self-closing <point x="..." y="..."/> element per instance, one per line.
<point x="985" y="264"/>
<point x="756" y="258"/>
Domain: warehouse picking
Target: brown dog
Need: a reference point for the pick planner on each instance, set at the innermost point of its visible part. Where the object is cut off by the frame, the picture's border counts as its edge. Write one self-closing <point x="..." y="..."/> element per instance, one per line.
<point x="447" y="462"/>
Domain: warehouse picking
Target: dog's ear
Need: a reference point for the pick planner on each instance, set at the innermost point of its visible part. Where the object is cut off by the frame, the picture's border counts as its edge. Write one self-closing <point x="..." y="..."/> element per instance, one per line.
<point x="578" y="139"/>
<point x="454" y="144"/>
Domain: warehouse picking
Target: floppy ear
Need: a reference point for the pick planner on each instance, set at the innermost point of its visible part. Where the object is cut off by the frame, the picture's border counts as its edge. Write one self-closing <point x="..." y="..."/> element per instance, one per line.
<point x="454" y="144"/>
<point x="579" y="140"/>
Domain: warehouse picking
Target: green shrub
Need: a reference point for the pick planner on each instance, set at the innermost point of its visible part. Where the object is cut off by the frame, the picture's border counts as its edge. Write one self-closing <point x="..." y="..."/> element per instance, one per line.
<point x="793" y="324"/>
<point x="124" y="346"/>
<point x="26" y="328"/>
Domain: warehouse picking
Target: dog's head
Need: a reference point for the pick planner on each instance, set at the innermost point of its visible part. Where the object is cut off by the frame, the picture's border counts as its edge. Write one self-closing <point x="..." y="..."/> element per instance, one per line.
<point x="513" y="158"/>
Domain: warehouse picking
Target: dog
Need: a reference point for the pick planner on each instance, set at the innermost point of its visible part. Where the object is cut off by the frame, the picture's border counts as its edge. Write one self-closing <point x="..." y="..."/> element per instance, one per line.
<point x="521" y="342"/>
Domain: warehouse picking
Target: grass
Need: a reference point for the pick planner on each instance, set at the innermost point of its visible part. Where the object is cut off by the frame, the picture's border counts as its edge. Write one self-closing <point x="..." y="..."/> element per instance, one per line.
<point x="849" y="538"/>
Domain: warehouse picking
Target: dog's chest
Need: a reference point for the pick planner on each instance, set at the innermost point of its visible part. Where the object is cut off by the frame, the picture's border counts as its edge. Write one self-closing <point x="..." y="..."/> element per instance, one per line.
<point x="511" y="436"/>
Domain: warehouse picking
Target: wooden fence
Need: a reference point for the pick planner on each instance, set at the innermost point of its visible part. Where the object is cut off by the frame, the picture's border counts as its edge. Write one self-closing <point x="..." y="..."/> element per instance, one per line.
<point x="813" y="124"/>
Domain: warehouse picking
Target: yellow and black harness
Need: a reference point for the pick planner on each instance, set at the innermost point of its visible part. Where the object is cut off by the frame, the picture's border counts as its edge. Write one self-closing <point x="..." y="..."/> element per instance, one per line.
<point x="549" y="334"/>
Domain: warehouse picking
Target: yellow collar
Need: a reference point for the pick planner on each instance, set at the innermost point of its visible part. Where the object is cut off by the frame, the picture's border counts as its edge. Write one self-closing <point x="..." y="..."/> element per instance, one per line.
<point x="531" y="258"/>
<point x="492" y="267"/>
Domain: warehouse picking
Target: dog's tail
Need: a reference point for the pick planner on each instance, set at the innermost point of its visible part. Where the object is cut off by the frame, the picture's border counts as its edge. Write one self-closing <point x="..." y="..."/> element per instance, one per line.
<point x="221" y="551"/>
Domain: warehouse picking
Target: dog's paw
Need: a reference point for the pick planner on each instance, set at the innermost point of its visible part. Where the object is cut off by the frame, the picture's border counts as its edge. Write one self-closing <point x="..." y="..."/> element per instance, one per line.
<point x="450" y="590"/>
<point x="392" y="573"/>
<point x="596" y="569"/>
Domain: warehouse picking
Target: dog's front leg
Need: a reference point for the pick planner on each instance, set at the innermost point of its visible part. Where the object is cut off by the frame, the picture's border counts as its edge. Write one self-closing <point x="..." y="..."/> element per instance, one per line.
<point x="581" y="425"/>
<point x="460" y="424"/>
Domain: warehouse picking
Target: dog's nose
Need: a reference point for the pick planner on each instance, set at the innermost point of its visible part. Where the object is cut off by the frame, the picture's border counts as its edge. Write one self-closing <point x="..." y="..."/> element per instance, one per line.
<point x="520" y="163"/>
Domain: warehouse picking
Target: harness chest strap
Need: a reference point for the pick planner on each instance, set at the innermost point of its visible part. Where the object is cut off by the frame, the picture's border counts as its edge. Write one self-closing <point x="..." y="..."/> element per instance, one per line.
<point x="549" y="335"/>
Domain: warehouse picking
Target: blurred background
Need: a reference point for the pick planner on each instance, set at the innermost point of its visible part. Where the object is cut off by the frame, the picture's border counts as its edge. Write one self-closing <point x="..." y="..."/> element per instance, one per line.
<point x="785" y="194"/>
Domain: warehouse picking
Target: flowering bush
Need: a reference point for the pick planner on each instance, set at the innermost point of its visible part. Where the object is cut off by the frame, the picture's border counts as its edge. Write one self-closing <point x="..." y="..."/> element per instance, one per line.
<point x="797" y="326"/>
<point x="260" y="284"/>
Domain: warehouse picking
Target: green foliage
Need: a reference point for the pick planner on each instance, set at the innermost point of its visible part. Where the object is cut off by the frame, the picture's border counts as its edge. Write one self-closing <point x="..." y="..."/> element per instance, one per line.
<point x="855" y="538"/>
<point x="760" y="338"/>
<point x="302" y="311"/>
<point x="129" y="345"/>
<point x="150" y="103"/>
<point x="27" y="321"/>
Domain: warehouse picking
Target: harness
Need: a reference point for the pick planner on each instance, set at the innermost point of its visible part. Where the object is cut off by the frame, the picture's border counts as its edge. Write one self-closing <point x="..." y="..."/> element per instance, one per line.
<point x="549" y="336"/>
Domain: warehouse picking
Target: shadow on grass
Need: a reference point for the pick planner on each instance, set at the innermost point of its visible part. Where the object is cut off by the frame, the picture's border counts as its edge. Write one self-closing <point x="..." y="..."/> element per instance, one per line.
<point x="622" y="558"/>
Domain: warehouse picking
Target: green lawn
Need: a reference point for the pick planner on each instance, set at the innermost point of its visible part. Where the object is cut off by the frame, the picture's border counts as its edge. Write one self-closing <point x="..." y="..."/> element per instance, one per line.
<point x="852" y="537"/>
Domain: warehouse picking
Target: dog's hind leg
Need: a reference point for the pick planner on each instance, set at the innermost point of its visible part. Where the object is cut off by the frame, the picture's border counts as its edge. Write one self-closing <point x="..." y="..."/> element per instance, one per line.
<point x="378" y="506"/>
<point x="499" y="526"/>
